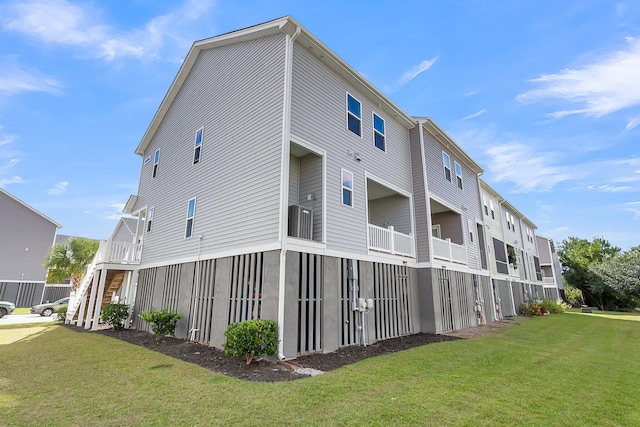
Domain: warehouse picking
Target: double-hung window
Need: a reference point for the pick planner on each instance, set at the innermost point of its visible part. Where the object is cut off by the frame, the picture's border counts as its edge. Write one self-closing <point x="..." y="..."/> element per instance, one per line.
<point x="354" y="115"/>
<point x="198" y="146"/>
<point x="347" y="188"/>
<point x="191" y="213"/>
<point x="493" y="212"/>
<point x="446" y="162"/>
<point x="156" y="160"/>
<point x="508" y="220"/>
<point x="150" y="218"/>
<point x="378" y="132"/>
<point x="484" y="202"/>
<point x="458" y="174"/>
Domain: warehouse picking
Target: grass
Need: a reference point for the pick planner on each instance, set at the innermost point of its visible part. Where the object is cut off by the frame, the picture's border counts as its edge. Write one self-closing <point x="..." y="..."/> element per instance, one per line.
<point x="22" y="310"/>
<point x="553" y="370"/>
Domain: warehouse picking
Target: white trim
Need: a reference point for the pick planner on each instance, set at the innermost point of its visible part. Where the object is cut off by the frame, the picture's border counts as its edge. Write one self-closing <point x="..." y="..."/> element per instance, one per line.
<point x="342" y="188"/>
<point x="445" y="204"/>
<point x="195" y="145"/>
<point x="454" y="267"/>
<point x="405" y="193"/>
<point x="436" y="227"/>
<point x="444" y="167"/>
<point x="193" y="218"/>
<point x="457" y="166"/>
<point x="22" y="281"/>
<point x="349" y="113"/>
<point x="375" y="131"/>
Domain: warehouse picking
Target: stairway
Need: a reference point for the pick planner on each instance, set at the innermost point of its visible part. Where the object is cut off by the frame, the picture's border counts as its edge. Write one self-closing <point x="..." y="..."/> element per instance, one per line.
<point x="113" y="283"/>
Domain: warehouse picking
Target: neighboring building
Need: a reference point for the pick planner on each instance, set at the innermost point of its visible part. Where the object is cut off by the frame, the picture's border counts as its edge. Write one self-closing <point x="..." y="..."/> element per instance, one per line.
<point x="551" y="269"/>
<point x="27" y="237"/>
<point x="454" y="282"/>
<point x="277" y="183"/>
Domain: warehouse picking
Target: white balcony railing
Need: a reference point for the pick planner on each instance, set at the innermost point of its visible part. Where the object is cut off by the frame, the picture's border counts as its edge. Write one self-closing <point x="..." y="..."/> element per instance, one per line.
<point x="444" y="249"/>
<point x="119" y="252"/>
<point x="548" y="281"/>
<point x="390" y="241"/>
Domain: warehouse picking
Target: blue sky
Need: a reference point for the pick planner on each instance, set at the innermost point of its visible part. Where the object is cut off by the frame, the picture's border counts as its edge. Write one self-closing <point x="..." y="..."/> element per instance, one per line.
<point x="544" y="95"/>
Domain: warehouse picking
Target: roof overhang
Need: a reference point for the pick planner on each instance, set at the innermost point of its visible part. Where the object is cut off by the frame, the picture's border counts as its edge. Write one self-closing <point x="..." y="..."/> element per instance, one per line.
<point x="128" y="207"/>
<point x="284" y="25"/>
<point x="437" y="132"/>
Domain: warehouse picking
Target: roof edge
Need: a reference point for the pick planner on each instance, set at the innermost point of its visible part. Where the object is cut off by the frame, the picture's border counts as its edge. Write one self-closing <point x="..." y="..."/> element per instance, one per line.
<point x="30" y="208"/>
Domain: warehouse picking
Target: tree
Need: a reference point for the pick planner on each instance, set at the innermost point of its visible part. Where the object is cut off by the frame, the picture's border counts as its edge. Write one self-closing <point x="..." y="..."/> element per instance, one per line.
<point x="70" y="260"/>
<point x="578" y="256"/>
<point x="622" y="272"/>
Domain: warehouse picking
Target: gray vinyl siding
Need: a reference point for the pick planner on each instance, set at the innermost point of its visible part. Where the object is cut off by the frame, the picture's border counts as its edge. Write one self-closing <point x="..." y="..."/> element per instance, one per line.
<point x="26" y="240"/>
<point x="294" y="180"/>
<point x="394" y="210"/>
<point x="420" y="202"/>
<point x="311" y="184"/>
<point x="467" y="199"/>
<point x="236" y="93"/>
<point x="544" y="252"/>
<point x="318" y="115"/>
<point x="450" y="226"/>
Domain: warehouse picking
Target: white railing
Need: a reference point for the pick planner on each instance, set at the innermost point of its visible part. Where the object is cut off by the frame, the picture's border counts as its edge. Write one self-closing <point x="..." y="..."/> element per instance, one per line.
<point x="548" y="281"/>
<point x="119" y="252"/>
<point x="108" y="252"/>
<point x="390" y="241"/>
<point x="446" y="250"/>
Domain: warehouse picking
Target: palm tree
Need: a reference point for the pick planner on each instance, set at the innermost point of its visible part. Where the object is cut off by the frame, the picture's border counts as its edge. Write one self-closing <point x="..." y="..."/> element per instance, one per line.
<point x="70" y="260"/>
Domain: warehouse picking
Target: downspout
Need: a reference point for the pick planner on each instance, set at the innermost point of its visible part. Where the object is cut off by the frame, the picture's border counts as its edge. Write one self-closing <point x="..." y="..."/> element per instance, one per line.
<point x="284" y="184"/>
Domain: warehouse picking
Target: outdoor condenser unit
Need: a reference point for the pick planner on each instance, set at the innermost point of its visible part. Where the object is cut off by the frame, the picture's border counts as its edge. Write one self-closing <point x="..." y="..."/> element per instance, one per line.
<point x="300" y="222"/>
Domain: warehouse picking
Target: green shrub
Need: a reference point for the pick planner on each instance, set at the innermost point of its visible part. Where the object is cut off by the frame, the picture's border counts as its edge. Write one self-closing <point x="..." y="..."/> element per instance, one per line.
<point x="62" y="313"/>
<point x="573" y="296"/>
<point x="534" y="308"/>
<point x="162" y="322"/>
<point x="552" y="307"/>
<point x="115" y="315"/>
<point x="251" y="338"/>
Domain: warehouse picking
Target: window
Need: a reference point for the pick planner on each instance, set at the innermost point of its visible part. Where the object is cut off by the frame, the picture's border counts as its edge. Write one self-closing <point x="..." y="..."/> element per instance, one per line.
<point x="446" y="162"/>
<point x="435" y="231"/>
<point x="458" y="174"/>
<point x="354" y="115"/>
<point x="156" y="160"/>
<point x="493" y="212"/>
<point x="147" y="160"/>
<point x="508" y="220"/>
<point x="150" y="218"/>
<point x="378" y="132"/>
<point x="513" y="223"/>
<point x="198" y="146"/>
<point x="191" y="212"/>
<point x="347" y="188"/>
<point x="470" y="227"/>
<point x="484" y="202"/>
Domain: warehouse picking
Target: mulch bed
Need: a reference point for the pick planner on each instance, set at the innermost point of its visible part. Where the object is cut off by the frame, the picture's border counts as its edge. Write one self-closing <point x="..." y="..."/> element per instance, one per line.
<point x="268" y="370"/>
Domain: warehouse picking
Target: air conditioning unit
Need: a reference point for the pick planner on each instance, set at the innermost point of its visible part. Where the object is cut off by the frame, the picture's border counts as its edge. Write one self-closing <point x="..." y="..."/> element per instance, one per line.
<point x="300" y="222"/>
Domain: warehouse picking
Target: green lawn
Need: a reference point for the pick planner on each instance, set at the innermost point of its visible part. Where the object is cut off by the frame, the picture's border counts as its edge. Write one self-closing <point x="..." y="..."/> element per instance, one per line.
<point x="570" y="369"/>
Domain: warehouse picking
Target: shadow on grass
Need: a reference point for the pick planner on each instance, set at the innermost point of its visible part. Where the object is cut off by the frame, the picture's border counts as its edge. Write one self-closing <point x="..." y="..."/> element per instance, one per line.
<point x="22" y="333"/>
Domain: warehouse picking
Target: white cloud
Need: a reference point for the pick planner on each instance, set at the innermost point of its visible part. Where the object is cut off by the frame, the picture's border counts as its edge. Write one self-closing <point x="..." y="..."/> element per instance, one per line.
<point x="61" y="22"/>
<point x="58" y="189"/>
<point x="633" y="123"/>
<point x="474" y="115"/>
<point x="115" y="211"/>
<point x="599" y="88"/>
<point x="15" y="80"/>
<point x="606" y="188"/>
<point x="13" y="180"/>
<point x="412" y="74"/>
<point x="528" y="169"/>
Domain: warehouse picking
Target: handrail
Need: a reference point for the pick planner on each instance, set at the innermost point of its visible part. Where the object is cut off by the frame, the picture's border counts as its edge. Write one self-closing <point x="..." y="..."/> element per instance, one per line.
<point x="390" y="241"/>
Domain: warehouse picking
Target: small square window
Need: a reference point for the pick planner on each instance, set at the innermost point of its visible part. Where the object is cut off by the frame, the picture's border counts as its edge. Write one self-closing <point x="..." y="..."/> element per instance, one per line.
<point x="354" y="115"/>
<point x="191" y="213"/>
<point x="446" y="162"/>
<point x="198" y="146"/>
<point x="378" y="132"/>
<point x="458" y="174"/>
<point x="347" y="188"/>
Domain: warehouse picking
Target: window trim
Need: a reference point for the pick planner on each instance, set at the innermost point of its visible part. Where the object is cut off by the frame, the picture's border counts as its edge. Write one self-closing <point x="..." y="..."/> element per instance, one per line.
<point x="493" y="211"/>
<point x="382" y="134"/>
<point x="197" y="147"/>
<point x="349" y="113"/>
<point x="156" y="160"/>
<point x="188" y="232"/>
<point x="446" y="157"/>
<point x="149" y="219"/>
<point x="343" y="188"/>
<point x="438" y="229"/>
<point x="457" y="166"/>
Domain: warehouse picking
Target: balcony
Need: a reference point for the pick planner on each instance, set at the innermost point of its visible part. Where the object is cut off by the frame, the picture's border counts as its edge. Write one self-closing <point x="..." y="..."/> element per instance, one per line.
<point x="390" y="241"/>
<point x="548" y="281"/>
<point x="446" y="250"/>
<point x="110" y="252"/>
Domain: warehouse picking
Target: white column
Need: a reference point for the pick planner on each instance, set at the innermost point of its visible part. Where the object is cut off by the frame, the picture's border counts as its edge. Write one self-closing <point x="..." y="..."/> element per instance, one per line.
<point x="98" y="301"/>
<point x="392" y="239"/>
<point x="81" y="308"/>
<point x="92" y="298"/>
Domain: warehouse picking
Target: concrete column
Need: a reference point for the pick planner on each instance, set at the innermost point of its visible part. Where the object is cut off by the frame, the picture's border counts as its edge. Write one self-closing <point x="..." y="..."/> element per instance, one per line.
<point x="185" y="292"/>
<point x="331" y="304"/>
<point x="290" y="326"/>
<point x="221" y="291"/>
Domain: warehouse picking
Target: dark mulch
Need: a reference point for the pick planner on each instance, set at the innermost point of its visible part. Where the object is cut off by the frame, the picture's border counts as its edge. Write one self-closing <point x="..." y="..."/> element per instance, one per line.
<point x="265" y="369"/>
